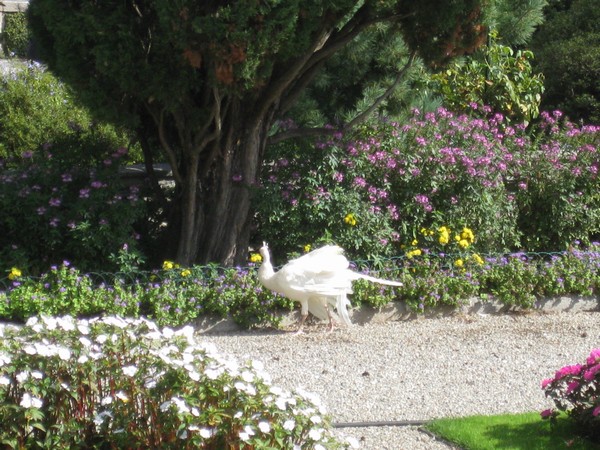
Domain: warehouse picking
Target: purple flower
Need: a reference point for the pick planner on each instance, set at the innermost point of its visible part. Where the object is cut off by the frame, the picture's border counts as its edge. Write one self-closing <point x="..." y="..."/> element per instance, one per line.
<point x="84" y="193"/>
<point x="96" y="184"/>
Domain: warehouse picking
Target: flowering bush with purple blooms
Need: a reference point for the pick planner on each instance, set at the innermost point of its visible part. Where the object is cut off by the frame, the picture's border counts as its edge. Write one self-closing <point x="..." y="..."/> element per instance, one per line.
<point x="124" y="383"/>
<point x="58" y="206"/>
<point x="517" y="189"/>
<point x="575" y="389"/>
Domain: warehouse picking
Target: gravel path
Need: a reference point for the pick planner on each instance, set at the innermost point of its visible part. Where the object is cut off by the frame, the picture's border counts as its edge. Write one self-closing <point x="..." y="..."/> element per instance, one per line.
<point x="422" y="369"/>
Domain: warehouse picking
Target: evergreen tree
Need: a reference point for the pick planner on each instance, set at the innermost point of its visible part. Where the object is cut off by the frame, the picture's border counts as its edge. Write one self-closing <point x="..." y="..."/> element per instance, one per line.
<point x="207" y="81"/>
<point x="567" y="48"/>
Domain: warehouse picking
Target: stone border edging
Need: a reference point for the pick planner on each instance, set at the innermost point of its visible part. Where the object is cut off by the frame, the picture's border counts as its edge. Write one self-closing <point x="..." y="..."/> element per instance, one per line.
<point x="399" y="311"/>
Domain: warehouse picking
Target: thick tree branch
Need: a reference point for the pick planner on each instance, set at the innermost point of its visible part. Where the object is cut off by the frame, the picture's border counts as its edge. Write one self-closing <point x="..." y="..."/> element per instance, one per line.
<point x="336" y="42"/>
<point x="164" y="141"/>
<point x="312" y="132"/>
<point x="365" y="114"/>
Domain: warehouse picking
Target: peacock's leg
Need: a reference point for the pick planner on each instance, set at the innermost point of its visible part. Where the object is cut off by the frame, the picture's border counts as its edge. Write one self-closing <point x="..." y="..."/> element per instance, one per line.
<point x="301" y="323"/>
<point x="303" y="315"/>
<point x="330" y="316"/>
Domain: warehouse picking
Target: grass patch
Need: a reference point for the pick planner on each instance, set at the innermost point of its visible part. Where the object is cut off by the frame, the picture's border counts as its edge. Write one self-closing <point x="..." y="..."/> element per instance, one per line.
<point x="510" y="431"/>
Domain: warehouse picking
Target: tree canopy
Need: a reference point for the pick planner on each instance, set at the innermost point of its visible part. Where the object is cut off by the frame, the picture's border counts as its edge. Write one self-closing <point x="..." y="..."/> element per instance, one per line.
<point x="206" y="81"/>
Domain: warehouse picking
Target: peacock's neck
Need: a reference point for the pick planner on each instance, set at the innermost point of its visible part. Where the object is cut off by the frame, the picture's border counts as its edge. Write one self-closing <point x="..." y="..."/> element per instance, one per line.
<point x="266" y="274"/>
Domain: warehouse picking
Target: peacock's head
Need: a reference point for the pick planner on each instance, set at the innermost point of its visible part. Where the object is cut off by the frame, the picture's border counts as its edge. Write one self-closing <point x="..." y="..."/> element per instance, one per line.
<point x="264" y="251"/>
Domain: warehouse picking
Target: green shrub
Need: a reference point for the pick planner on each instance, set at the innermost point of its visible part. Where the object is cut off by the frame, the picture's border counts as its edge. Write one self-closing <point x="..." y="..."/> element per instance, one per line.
<point x="37" y="109"/>
<point x="122" y="383"/>
<point x="59" y="206"/>
<point x="496" y="77"/>
<point x="15" y="36"/>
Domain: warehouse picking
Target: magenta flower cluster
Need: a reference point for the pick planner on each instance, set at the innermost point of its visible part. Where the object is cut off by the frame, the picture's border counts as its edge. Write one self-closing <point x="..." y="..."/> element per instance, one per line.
<point x="575" y="389"/>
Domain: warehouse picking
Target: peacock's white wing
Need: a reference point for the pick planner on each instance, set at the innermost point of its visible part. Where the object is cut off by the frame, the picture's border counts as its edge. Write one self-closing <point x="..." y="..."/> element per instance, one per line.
<point x="322" y="271"/>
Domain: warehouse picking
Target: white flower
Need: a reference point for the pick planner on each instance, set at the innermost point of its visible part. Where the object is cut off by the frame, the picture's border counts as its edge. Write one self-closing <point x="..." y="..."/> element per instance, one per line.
<point x="99" y="418"/>
<point x="66" y="323"/>
<point x="166" y="405"/>
<point x="64" y="353"/>
<point x="289" y="425"/>
<point x="319" y="447"/>
<point x="352" y="441"/>
<point x="50" y="322"/>
<point x="130" y="370"/>
<point x="4" y="359"/>
<point x="83" y="328"/>
<point x="207" y="432"/>
<point x="4" y="381"/>
<point x="181" y="405"/>
<point x="31" y="402"/>
<point x="106" y="400"/>
<point x="247" y="376"/>
<point x="238" y="414"/>
<point x="183" y="434"/>
<point x="101" y="338"/>
<point x="115" y="321"/>
<point x="281" y="403"/>
<point x="195" y="411"/>
<point x="195" y="376"/>
<point x="30" y="350"/>
<point x="22" y="376"/>
<point x="315" y="434"/>
<point x="213" y="373"/>
<point x="122" y="396"/>
<point x="247" y="433"/>
<point x="37" y="374"/>
<point x="83" y="359"/>
<point x="168" y="332"/>
<point x="316" y="419"/>
<point x="264" y="426"/>
<point x="85" y="342"/>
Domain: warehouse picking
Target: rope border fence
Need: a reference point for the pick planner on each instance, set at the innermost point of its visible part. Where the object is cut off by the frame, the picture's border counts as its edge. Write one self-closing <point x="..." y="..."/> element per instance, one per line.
<point x="375" y="266"/>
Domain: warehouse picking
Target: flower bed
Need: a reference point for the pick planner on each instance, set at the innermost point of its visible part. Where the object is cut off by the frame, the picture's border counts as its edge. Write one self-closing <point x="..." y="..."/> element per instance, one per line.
<point x="124" y="383"/>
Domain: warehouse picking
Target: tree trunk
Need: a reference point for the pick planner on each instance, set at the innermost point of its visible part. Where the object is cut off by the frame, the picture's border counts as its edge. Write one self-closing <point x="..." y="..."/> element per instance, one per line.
<point x="216" y="195"/>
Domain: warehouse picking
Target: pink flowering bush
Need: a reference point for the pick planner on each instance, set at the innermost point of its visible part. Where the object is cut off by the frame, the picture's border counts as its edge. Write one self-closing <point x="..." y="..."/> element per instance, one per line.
<point x="517" y="188"/>
<point x="575" y="390"/>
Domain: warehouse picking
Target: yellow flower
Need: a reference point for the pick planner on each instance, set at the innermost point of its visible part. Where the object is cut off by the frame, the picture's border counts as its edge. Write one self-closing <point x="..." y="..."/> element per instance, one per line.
<point x="459" y="263"/>
<point x="444" y="235"/>
<point x="186" y="273"/>
<point x="414" y="242"/>
<point x="307" y="248"/>
<point x="255" y="257"/>
<point x="14" y="273"/>
<point x="412" y="253"/>
<point x="468" y="235"/>
<point x="478" y="259"/>
<point x="427" y="232"/>
<point x="350" y="219"/>
<point x="168" y="265"/>
<point x="463" y="243"/>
